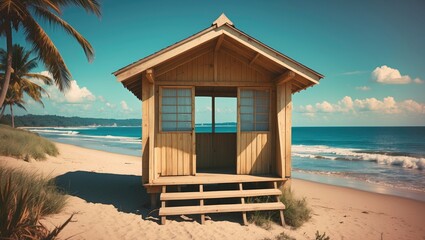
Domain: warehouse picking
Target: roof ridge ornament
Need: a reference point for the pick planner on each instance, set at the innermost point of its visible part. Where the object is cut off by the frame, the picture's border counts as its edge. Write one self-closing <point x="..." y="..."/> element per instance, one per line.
<point x="220" y="21"/>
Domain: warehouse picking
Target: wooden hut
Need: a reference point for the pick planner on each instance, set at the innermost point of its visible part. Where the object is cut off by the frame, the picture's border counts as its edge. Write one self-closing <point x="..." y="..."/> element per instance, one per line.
<point x="220" y="61"/>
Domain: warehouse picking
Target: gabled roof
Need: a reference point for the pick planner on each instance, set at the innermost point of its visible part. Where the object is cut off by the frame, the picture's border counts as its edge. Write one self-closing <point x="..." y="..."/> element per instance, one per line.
<point x="221" y="26"/>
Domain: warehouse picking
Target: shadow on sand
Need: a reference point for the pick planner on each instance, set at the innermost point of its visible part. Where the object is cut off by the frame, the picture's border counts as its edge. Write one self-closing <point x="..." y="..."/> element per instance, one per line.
<point x="124" y="192"/>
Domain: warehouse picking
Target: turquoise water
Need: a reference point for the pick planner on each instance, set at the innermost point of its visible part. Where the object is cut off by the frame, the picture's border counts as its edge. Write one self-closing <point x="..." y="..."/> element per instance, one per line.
<point x="388" y="160"/>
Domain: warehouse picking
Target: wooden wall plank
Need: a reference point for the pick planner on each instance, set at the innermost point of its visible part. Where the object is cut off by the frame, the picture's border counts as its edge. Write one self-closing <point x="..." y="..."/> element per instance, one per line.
<point x="224" y="156"/>
<point x="145" y="130"/>
<point x="174" y="161"/>
<point x="179" y="151"/>
<point x="193" y="136"/>
<point x="163" y="154"/>
<point x="238" y="134"/>
<point x="280" y="125"/>
<point x="152" y="165"/>
<point x="288" y="128"/>
<point x="255" y="155"/>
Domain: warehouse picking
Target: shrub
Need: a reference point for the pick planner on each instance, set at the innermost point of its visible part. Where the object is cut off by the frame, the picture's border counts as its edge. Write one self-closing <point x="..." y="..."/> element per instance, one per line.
<point x="25" y="145"/>
<point x="261" y="218"/>
<point x="322" y="236"/>
<point x="296" y="210"/>
<point x="284" y="236"/>
<point x="24" y="199"/>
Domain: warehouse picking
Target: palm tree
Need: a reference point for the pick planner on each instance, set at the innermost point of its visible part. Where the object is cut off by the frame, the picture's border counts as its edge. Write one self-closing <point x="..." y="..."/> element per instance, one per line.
<point x="22" y="80"/>
<point x="22" y="14"/>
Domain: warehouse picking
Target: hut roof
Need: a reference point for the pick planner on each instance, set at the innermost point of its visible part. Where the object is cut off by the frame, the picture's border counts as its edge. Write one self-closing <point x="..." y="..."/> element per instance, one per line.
<point x="221" y="27"/>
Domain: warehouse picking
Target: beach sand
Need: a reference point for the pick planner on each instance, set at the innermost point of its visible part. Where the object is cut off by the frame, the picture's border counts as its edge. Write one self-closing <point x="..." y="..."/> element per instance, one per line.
<point x="109" y="202"/>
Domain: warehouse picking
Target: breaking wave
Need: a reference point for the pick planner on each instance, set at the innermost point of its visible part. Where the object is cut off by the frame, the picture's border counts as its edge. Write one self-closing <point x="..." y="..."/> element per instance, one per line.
<point x="351" y="154"/>
<point x="60" y="132"/>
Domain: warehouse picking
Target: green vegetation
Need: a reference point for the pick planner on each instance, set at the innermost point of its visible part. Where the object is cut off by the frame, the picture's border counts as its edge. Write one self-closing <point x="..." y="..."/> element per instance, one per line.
<point x="284" y="236"/>
<point x="24" y="199"/>
<point x="281" y="236"/>
<point x="25" y="145"/>
<point x="59" y="121"/>
<point x="296" y="211"/>
<point x="322" y="236"/>
<point x="261" y="218"/>
<point x="22" y="80"/>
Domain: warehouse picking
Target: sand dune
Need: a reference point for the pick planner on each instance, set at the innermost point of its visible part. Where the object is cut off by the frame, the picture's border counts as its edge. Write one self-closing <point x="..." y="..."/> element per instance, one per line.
<point x="110" y="203"/>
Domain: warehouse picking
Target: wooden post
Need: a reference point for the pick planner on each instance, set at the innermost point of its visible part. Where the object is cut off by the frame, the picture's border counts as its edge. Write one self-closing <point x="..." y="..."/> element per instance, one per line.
<point x="288" y="129"/>
<point x="245" y="221"/>
<point x="280" y="127"/>
<point x="145" y="130"/>
<point x="163" y="205"/>
<point x="153" y="200"/>
<point x="238" y="134"/>
<point x="213" y="113"/>
<point x="152" y="165"/>
<point x="282" y="218"/>
<point x="201" y="203"/>
<point x="193" y="170"/>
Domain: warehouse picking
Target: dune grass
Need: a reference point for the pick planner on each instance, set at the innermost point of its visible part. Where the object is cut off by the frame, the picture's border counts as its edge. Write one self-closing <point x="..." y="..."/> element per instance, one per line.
<point x="24" y="145"/>
<point x="296" y="211"/>
<point x="24" y="199"/>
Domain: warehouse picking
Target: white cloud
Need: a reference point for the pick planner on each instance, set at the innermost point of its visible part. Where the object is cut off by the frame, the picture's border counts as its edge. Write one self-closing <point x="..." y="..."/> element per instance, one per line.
<point x="353" y="73"/>
<point x="125" y="107"/>
<point x="324" y="107"/>
<point x="387" y="75"/>
<point x="109" y="105"/>
<point x="345" y="104"/>
<point x="418" y="81"/>
<point x="363" y="88"/>
<point x="75" y="93"/>
<point x="387" y="105"/>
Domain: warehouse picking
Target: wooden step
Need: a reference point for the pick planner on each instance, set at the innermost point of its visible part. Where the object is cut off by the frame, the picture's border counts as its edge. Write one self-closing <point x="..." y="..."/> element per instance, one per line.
<point x="225" y="208"/>
<point x="219" y="194"/>
<point x="211" y="178"/>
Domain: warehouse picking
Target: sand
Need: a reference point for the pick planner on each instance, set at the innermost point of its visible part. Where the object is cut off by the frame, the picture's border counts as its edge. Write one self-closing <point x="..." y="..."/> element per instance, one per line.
<point x="109" y="203"/>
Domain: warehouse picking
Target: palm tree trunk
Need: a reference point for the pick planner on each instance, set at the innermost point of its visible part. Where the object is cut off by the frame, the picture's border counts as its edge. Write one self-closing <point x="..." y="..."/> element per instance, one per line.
<point x="11" y="114"/>
<point x="5" y="85"/>
<point x="2" y="111"/>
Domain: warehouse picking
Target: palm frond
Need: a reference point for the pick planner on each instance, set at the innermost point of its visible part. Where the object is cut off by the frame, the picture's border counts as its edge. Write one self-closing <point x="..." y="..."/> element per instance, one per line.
<point x="47" y="52"/>
<point x="13" y="9"/>
<point x="46" y="79"/>
<point x="54" y="19"/>
<point x="29" y="65"/>
<point x="48" y="4"/>
<point x="91" y="6"/>
<point x="20" y="105"/>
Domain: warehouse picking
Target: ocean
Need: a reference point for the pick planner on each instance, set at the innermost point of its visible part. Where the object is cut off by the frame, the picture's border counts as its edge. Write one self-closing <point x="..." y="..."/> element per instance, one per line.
<point x="387" y="160"/>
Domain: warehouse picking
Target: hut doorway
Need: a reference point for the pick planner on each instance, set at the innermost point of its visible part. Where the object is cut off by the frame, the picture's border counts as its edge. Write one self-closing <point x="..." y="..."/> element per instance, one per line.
<point x="216" y="129"/>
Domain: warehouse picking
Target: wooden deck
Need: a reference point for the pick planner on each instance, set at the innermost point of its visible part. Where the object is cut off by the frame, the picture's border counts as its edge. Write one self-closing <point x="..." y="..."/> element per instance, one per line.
<point x="211" y="178"/>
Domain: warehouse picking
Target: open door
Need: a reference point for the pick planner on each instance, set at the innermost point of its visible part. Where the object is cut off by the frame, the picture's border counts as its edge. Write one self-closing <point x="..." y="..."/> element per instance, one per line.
<point x="216" y="136"/>
<point x="175" y="150"/>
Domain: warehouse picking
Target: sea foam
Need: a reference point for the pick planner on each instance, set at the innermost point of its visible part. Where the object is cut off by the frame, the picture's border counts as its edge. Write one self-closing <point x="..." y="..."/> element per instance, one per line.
<point x="351" y="154"/>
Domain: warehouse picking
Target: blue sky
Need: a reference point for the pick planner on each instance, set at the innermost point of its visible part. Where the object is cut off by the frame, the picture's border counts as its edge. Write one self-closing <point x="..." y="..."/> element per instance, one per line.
<point x="372" y="54"/>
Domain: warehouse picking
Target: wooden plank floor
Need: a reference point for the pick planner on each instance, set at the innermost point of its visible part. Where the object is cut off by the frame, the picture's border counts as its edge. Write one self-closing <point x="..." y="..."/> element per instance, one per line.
<point x="211" y="178"/>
